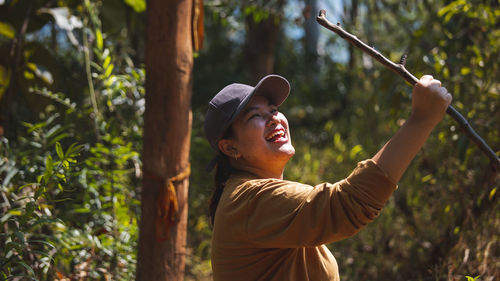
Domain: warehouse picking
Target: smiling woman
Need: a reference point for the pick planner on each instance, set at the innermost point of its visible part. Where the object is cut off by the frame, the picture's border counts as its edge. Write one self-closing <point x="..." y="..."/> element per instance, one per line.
<point x="267" y="228"/>
<point x="261" y="140"/>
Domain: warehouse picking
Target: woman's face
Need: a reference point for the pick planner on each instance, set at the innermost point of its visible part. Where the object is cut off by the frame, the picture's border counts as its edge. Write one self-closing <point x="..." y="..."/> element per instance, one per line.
<point x="261" y="137"/>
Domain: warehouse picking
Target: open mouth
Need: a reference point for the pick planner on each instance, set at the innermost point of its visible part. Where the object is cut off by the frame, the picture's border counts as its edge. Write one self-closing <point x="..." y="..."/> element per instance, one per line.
<point x="276" y="136"/>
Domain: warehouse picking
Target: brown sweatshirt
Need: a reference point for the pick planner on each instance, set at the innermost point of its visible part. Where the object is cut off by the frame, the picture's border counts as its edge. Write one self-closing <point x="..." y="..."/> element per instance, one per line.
<point x="271" y="229"/>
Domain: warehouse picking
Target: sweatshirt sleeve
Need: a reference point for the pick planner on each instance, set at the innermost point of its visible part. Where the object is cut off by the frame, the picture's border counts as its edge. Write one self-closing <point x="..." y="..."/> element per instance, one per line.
<point x="283" y="214"/>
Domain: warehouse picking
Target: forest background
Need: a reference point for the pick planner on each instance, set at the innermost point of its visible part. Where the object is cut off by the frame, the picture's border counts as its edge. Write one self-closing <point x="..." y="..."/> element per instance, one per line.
<point x="72" y="99"/>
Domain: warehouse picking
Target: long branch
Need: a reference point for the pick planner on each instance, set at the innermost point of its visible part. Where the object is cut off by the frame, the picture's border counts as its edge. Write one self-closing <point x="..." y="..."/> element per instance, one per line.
<point x="405" y="74"/>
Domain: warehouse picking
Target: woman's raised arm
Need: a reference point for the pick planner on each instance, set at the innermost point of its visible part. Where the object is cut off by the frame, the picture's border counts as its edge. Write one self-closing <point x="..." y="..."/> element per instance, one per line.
<point x="429" y="103"/>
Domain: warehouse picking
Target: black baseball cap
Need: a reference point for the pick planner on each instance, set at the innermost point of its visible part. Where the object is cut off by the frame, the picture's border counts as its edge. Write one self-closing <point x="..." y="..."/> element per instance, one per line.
<point x="230" y="101"/>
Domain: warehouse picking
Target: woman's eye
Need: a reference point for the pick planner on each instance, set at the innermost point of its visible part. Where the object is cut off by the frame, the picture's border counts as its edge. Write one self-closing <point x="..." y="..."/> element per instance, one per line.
<point x="253" y="116"/>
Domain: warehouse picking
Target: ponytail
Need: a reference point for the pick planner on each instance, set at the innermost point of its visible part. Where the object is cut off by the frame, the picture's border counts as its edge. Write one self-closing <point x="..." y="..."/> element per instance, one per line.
<point x="222" y="173"/>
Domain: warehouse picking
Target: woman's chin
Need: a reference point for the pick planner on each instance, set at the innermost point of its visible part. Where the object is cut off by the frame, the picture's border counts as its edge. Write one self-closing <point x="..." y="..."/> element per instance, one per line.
<point x="282" y="149"/>
<point x="288" y="150"/>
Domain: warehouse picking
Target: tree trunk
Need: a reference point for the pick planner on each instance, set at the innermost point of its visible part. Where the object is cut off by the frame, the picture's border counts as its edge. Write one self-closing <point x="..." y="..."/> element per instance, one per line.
<point x="167" y="133"/>
<point x="260" y="44"/>
<point x="8" y="97"/>
<point x="311" y="29"/>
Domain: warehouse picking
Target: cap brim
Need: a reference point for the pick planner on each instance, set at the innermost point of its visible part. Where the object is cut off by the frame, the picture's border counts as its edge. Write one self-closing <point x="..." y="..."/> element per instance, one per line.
<point x="274" y="87"/>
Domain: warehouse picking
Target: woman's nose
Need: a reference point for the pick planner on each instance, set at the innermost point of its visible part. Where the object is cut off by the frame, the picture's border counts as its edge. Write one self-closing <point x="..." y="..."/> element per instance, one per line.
<point x="272" y="120"/>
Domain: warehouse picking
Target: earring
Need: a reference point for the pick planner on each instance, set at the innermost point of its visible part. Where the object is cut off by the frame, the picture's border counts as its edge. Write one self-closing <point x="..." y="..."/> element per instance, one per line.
<point x="236" y="156"/>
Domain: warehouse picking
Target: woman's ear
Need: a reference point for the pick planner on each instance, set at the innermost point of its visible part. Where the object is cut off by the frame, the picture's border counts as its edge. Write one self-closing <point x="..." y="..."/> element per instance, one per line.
<point x="226" y="146"/>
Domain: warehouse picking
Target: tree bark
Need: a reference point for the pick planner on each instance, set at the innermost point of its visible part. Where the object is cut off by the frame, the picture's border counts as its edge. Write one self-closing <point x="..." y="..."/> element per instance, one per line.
<point x="167" y="133"/>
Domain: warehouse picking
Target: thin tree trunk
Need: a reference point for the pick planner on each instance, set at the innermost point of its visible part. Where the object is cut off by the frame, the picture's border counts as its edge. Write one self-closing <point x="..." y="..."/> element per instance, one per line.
<point x="16" y="52"/>
<point x="352" y="74"/>
<point x="167" y="133"/>
<point x="260" y="44"/>
<point x="311" y="29"/>
<point x="353" y="17"/>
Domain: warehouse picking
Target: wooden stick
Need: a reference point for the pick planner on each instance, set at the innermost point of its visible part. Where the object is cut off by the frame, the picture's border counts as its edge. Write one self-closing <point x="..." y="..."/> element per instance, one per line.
<point x="400" y="69"/>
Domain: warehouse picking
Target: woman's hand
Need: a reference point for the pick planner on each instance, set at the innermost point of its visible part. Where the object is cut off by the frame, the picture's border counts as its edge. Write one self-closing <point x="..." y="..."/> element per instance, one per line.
<point x="429" y="100"/>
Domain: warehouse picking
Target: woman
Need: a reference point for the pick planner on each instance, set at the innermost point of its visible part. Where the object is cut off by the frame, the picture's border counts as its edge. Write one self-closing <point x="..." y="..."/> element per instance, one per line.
<point x="267" y="228"/>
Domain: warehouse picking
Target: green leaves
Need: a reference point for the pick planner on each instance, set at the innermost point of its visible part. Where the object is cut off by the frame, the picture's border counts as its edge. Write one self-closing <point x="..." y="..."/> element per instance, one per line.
<point x="49" y="169"/>
<point x="59" y="151"/>
<point x="62" y="209"/>
<point x="29" y="205"/>
<point x="138" y="5"/>
<point x="98" y="38"/>
<point x="453" y="8"/>
<point x="4" y="79"/>
<point x="7" y="30"/>
<point x="55" y="170"/>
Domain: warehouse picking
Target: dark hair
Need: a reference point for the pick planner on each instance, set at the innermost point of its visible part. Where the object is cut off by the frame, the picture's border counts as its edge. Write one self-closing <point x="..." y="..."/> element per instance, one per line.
<point x="222" y="172"/>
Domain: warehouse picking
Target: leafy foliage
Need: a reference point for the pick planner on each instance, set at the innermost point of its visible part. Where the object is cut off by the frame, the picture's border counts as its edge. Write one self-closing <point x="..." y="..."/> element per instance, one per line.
<point x="70" y="209"/>
<point x="28" y="213"/>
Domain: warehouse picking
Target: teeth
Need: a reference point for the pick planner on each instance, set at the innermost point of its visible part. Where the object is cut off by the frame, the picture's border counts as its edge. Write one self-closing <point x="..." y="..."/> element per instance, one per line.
<point x="276" y="133"/>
